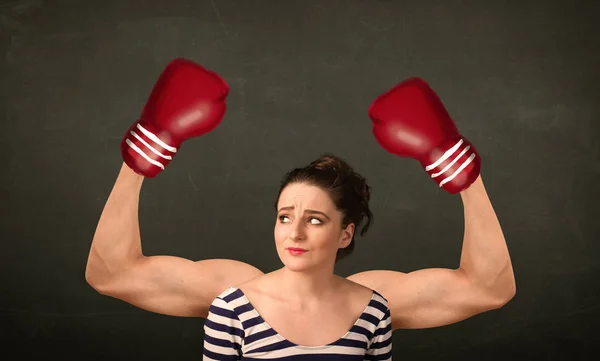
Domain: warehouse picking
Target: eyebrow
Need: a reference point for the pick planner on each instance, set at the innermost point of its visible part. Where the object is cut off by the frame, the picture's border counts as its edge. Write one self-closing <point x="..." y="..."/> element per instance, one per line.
<point x="311" y="211"/>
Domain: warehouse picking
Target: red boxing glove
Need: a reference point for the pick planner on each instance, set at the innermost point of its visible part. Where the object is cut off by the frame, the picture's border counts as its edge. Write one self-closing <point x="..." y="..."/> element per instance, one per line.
<point x="187" y="101"/>
<point x="410" y="120"/>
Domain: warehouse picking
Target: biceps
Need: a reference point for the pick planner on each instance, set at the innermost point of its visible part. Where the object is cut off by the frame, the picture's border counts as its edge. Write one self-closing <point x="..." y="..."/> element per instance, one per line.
<point x="176" y="286"/>
<point x="436" y="297"/>
<point x="427" y="298"/>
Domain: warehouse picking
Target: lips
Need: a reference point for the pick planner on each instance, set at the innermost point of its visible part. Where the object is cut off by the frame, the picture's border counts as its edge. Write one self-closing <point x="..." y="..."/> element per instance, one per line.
<point x="296" y="251"/>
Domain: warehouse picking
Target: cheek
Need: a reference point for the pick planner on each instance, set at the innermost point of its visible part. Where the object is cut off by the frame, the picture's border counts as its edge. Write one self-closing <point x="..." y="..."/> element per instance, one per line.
<point x="280" y="234"/>
<point x="325" y="236"/>
<point x="333" y="236"/>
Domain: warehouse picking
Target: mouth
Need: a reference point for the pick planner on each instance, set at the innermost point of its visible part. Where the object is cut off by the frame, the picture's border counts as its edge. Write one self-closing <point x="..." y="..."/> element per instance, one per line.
<point x="296" y="251"/>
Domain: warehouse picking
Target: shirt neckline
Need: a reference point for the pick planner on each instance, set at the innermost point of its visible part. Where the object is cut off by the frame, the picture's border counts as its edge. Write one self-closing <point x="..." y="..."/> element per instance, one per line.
<point x="281" y="338"/>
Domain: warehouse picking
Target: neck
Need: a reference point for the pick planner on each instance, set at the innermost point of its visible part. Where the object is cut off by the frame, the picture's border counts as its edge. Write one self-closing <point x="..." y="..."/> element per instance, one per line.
<point x="307" y="286"/>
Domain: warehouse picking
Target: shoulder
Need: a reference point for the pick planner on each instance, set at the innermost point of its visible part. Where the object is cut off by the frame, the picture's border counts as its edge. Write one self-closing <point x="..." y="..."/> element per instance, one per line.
<point x="368" y="303"/>
<point x="256" y="282"/>
<point x="362" y="292"/>
<point x="377" y="309"/>
<point x="259" y="286"/>
<point x="223" y="326"/>
<point x="228" y="303"/>
<point x="377" y="319"/>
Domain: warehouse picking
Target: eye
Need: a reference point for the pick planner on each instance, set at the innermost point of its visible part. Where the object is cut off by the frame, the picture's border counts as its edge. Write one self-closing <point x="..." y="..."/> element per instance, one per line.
<point x="318" y="221"/>
<point x="282" y="219"/>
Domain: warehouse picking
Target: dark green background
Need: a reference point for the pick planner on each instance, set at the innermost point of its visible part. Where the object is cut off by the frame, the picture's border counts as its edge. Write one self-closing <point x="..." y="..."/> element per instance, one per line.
<point x="519" y="78"/>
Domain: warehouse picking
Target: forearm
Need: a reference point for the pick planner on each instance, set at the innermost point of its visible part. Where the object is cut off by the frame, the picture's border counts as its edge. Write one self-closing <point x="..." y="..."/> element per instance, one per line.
<point x="116" y="243"/>
<point x="485" y="258"/>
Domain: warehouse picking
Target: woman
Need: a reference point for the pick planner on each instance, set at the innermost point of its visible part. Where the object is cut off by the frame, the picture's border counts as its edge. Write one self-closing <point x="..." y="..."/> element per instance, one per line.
<point x="276" y="315"/>
<point x="409" y="121"/>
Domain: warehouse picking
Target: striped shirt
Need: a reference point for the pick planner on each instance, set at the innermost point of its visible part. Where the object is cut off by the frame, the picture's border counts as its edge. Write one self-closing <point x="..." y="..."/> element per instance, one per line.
<point x="234" y="330"/>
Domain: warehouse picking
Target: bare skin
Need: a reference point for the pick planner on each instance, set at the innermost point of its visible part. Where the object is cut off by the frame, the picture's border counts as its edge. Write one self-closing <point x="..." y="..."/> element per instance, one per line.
<point x="167" y="285"/>
<point x="175" y="286"/>
<point x="435" y="297"/>
<point x="332" y="313"/>
<point x="305" y="294"/>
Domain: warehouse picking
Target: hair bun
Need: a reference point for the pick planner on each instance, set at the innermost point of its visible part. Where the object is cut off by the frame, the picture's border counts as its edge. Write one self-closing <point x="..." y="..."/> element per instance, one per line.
<point x="345" y="174"/>
<point x="329" y="162"/>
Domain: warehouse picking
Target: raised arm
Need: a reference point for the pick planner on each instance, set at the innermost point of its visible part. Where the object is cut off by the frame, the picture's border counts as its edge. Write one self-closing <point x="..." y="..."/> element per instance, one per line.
<point x="410" y="120"/>
<point x="187" y="101"/>
<point x="168" y="285"/>
<point x="434" y="297"/>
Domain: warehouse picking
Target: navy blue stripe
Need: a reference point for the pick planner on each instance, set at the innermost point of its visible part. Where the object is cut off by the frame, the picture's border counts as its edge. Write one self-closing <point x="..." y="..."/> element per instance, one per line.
<point x="222" y="343"/>
<point x="220" y="357"/>
<point x="260" y="335"/>
<point x="233" y="296"/>
<point x="223" y="328"/>
<point x="246" y="307"/>
<point x="350" y="343"/>
<point x="223" y="312"/>
<point x="370" y="318"/>
<point x="361" y="331"/>
<point x="312" y="357"/>
<point x="378" y="305"/>
<point x="281" y="345"/>
<point x="252" y="322"/>
<point x="383" y="356"/>
<point x="382" y="344"/>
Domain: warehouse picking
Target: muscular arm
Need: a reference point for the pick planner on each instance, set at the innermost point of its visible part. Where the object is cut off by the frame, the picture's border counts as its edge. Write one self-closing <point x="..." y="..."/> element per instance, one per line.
<point x="168" y="285"/>
<point x="435" y="297"/>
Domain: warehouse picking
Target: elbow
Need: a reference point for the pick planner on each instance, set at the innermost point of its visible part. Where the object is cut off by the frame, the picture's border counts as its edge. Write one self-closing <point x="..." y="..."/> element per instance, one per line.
<point x="103" y="287"/>
<point x="503" y="288"/>
<point x="496" y="291"/>
<point x="505" y="298"/>
<point x="509" y="286"/>
<point x="510" y="292"/>
<point x="503" y="293"/>
<point x="98" y="279"/>
<point x="94" y="271"/>
<point x="93" y="280"/>
<point x="101" y="273"/>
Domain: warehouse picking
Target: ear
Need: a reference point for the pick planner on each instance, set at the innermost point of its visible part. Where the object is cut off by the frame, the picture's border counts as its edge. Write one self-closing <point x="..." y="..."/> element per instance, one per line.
<point x="347" y="234"/>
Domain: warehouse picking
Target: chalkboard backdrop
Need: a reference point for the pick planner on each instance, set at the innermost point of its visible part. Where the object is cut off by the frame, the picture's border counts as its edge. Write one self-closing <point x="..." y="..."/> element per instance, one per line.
<point x="519" y="78"/>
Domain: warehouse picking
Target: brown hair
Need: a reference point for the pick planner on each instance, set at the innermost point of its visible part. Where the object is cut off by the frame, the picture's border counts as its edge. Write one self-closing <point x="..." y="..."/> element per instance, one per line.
<point x="347" y="189"/>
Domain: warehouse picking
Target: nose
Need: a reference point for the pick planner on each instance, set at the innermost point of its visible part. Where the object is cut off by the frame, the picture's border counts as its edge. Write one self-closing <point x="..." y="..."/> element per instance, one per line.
<point x="297" y="233"/>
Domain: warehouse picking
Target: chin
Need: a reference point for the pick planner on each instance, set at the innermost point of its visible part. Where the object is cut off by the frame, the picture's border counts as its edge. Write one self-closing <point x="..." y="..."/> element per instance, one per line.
<point x="301" y="264"/>
<point x="294" y="265"/>
<point x="297" y="266"/>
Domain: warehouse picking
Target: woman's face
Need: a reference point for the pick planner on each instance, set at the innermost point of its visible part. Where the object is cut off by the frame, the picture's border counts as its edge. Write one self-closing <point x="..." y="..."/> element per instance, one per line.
<point x="307" y="219"/>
